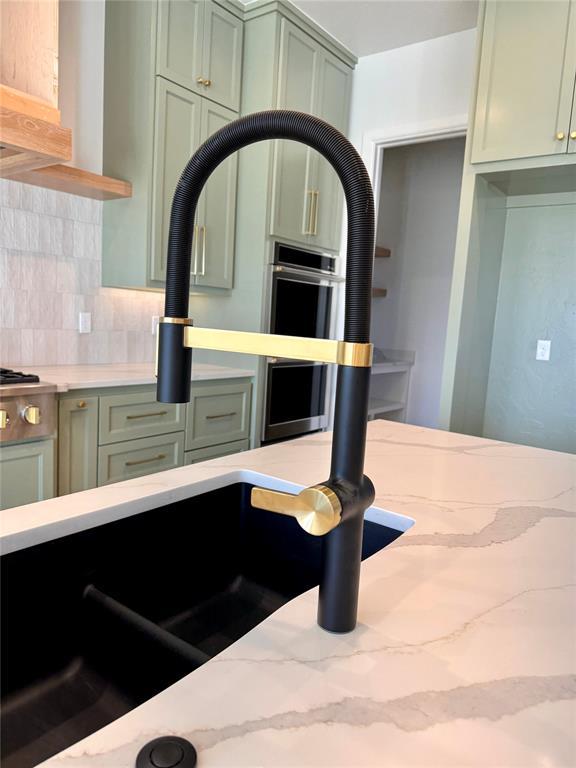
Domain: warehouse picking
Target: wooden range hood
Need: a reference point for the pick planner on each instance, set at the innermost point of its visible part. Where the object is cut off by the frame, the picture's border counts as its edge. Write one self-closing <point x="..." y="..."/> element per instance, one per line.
<point x="33" y="143"/>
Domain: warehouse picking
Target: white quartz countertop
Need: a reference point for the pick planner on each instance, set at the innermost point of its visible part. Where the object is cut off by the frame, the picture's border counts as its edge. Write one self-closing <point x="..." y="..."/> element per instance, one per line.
<point x="465" y="651"/>
<point x="69" y="377"/>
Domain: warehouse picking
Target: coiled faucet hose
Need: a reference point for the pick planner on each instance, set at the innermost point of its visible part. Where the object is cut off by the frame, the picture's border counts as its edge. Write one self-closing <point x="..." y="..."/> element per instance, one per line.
<point x="297" y="126"/>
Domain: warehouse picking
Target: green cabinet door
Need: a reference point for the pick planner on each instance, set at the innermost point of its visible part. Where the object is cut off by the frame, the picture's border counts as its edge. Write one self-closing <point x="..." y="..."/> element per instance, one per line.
<point x="332" y="104"/>
<point x="77" y="444"/>
<point x="179" y="55"/>
<point x="176" y="137"/>
<point x="26" y="473"/>
<point x="526" y="80"/>
<point x="292" y="189"/>
<point x="214" y="247"/>
<point x="222" y="56"/>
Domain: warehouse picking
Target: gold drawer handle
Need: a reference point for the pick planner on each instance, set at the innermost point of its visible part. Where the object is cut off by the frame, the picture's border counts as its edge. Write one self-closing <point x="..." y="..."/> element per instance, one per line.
<point x="146" y="415"/>
<point x="145" y="461"/>
<point x="81" y="404"/>
<point x="560" y="136"/>
<point x="573" y="135"/>
<point x="222" y="415"/>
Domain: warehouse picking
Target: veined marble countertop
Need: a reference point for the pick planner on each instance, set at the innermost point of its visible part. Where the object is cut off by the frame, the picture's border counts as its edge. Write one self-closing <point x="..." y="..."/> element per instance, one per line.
<point x="465" y="651"/>
<point x="67" y="377"/>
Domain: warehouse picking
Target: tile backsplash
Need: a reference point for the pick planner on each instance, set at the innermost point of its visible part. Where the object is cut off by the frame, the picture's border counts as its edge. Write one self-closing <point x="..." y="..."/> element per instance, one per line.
<point x="50" y="270"/>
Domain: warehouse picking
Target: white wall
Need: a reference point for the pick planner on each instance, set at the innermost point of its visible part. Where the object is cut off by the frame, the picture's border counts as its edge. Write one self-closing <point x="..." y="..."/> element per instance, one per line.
<point x="413" y="87"/>
<point x="417" y="221"/>
<point x="81" y="79"/>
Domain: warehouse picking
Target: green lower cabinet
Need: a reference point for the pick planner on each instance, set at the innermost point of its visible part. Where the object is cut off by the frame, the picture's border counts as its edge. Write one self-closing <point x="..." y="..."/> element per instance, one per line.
<point x="26" y="473"/>
<point x="218" y="413"/>
<point x="134" y="458"/>
<point x="77" y="444"/>
<point x="215" y="451"/>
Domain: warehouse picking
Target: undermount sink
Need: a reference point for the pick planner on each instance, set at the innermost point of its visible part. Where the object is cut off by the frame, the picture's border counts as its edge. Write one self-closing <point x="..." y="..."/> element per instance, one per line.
<point x="97" y="622"/>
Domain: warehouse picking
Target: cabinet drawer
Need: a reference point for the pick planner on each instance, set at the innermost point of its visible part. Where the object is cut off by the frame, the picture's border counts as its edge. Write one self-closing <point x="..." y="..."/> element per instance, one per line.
<point x="135" y="458"/>
<point x="218" y="413"/>
<point x="215" y="451"/>
<point x="124" y="417"/>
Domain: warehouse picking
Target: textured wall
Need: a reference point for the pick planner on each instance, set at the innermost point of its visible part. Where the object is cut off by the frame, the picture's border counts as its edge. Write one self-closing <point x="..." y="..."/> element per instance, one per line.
<point x="50" y="270"/>
<point x="531" y="401"/>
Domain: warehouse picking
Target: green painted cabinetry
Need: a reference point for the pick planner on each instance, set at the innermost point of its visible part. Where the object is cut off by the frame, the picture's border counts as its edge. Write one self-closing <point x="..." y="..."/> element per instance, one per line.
<point x="26" y="473"/>
<point x="183" y="122"/>
<point x="135" y="458"/>
<point x="306" y="193"/>
<point x="156" y="114"/>
<point x="200" y="48"/>
<point x="218" y="412"/>
<point x="77" y="444"/>
<point x="215" y="451"/>
<point x="526" y="80"/>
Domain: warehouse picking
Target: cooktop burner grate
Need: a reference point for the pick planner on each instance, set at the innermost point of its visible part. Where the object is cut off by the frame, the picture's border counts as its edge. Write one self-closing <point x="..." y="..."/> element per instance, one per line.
<point x="8" y="376"/>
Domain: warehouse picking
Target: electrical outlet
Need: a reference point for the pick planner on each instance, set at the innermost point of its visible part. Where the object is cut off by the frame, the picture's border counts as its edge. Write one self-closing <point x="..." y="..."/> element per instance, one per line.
<point x="85" y="322"/>
<point x="543" y="349"/>
<point x="154" y="326"/>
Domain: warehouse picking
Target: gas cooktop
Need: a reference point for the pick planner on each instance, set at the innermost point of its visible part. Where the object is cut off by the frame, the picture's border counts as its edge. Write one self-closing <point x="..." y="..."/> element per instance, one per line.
<point x="8" y="376"/>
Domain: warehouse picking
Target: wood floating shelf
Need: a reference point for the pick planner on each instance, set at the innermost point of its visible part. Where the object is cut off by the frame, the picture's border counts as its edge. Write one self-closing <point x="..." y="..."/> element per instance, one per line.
<point x="379" y="293"/>
<point x="33" y="146"/>
<point x="382" y="253"/>
<point x="66" y="178"/>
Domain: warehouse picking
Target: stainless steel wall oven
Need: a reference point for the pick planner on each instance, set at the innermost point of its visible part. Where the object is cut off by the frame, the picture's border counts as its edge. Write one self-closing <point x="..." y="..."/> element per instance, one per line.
<point x="302" y="298"/>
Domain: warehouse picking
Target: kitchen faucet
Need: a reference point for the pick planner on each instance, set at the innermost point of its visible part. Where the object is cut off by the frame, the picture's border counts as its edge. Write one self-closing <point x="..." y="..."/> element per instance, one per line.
<point x="335" y="508"/>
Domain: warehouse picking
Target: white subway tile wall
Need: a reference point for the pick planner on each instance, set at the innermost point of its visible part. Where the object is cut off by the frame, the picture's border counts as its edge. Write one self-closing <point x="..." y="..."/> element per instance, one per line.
<point x="50" y="270"/>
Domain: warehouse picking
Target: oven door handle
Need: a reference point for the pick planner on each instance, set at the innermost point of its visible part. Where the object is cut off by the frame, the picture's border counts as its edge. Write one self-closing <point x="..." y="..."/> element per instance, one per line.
<point x="317" y="278"/>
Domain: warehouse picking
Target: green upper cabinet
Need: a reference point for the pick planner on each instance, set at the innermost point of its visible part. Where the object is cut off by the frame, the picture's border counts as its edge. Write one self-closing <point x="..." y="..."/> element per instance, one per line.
<point x="156" y="114"/>
<point x="199" y="46"/>
<point x="292" y="202"/>
<point x="176" y="138"/>
<point x="213" y="261"/>
<point x="183" y="121"/>
<point x="526" y="80"/>
<point x="180" y="42"/>
<point x="306" y="198"/>
<point x="222" y="56"/>
<point x="333" y="104"/>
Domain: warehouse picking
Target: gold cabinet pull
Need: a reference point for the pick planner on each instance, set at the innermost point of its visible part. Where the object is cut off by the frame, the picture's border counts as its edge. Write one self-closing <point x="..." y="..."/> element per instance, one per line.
<point x="200" y="80"/>
<point x="4" y="419"/>
<point x="81" y="404"/>
<point x="560" y="136"/>
<point x="146" y="415"/>
<point x="310" y="205"/>
<point x="145" y="461"/>
<point x="315" y="196"/>
<point x="194" y="270"/>
<point x="207" y="83"/>
<point x="204" y="81"/>
<point x="203" y="267"/>
<point x="573" y="135"/>
<point x="222" y="415"/>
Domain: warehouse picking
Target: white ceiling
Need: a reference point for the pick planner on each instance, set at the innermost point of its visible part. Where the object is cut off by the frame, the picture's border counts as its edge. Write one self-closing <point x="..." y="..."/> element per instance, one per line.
<point x="371" y="26"/>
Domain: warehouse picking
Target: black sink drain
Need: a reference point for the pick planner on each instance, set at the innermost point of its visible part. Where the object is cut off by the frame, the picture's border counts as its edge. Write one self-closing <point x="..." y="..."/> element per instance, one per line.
<point x="167" y="752"/>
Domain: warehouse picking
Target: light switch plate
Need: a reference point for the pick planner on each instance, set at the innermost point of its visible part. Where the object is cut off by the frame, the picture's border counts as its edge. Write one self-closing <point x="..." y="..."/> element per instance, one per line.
<point x="543" y="349"/>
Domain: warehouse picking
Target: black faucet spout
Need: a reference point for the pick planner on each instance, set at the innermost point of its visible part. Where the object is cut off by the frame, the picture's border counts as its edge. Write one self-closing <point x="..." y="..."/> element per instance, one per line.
<point x="341" y="546"/>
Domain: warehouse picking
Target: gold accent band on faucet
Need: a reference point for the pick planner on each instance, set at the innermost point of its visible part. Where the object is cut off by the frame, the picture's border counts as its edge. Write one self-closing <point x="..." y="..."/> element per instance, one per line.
<point x="177" y="320"/>
<point x="272" y="345"/>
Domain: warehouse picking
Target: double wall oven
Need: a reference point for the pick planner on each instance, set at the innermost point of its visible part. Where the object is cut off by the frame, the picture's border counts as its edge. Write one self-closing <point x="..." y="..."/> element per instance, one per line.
<point x="302" y="296"/>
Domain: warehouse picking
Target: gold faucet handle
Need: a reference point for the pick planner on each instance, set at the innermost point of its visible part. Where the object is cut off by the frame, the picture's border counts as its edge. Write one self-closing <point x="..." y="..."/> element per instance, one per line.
<point x="317" y="509"/>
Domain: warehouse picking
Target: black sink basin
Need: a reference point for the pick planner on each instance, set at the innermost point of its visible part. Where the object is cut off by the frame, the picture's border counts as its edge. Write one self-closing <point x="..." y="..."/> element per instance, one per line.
<point x="96" y="623"/>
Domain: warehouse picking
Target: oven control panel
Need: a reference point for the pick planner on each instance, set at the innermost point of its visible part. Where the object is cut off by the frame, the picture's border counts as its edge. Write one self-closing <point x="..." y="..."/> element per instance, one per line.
<point x="27" y="416"/>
